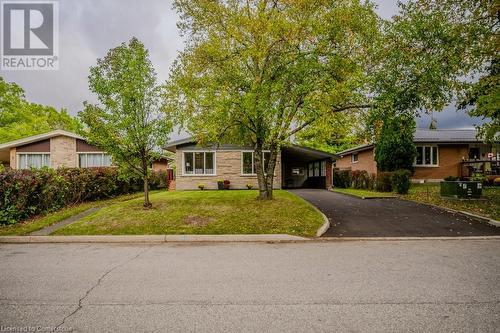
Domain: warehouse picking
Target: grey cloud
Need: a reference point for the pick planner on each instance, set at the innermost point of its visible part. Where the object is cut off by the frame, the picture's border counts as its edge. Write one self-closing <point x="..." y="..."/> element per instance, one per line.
<point x="88" y="28"/>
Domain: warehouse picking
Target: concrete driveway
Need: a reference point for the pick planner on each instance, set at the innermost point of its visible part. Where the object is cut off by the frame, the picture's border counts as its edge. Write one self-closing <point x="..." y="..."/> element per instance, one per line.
<point x="388" y="286"/>
<point x="354" y="217"/>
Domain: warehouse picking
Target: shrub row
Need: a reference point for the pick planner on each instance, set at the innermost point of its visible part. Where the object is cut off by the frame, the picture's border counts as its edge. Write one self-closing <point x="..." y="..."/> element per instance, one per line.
<point x="26" y="193"/>
<point x="382" y="182"/>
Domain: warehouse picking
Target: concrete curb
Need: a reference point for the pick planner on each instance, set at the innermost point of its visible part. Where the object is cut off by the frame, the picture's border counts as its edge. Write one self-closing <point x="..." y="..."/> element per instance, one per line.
<point x="152" y="238"/>
<point x="492" y="222"/>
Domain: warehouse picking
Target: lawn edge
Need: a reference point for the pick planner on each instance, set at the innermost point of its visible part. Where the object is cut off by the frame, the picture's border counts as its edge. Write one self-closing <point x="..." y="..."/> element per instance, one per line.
<point x="487" y="219"/>
<point x="326" y="221"/>
<point x="365" y="198"/>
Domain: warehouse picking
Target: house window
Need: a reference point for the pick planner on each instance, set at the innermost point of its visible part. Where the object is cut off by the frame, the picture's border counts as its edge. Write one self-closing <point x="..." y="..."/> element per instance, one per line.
<point x="33" y="160"/>
<point x="92" y="160"/>
<point x="354" y="158"/>
<point x="199" y="163"/>
<point x="427" y="156"/>
<point x="248" y="162"/>
<point x="316" y="169"/>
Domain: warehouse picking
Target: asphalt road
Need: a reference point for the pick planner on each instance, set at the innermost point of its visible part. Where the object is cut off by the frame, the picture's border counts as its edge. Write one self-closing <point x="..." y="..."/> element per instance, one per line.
<point x="373" y="286"/>
<point x="355" y="217"/>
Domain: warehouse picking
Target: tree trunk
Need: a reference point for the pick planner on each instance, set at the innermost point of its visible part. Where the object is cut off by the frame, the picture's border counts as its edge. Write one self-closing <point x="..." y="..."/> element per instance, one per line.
<point x="265" y="173"/>
<point x="147" y="203"/>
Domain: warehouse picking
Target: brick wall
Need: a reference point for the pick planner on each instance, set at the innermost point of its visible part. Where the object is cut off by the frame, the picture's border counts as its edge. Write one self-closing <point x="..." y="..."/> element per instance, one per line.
<point x="63" y="152"/>
<point x="449" y="163"/>
<point x="366" y="161"/>
<point x="228" y="166"/>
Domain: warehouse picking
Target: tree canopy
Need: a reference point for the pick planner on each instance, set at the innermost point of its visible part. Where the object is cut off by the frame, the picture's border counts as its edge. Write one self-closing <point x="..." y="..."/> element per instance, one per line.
<point x="20" y="118"/>
<point x="127" y="122"/>
<point x="257" y="72"/>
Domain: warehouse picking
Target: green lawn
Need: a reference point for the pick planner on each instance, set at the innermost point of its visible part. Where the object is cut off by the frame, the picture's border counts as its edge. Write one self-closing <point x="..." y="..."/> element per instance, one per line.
<point x="363" y="193"/>
<point x="203" y="212"/>
<point x="429" y="193"/>
<point x="25" y="227"/>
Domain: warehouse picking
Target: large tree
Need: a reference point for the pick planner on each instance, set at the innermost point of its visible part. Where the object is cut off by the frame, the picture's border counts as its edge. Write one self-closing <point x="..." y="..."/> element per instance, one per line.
<point x="127" y="121"/>
<point x="257" y="72"/>
<point x="433" y="53"/>
<point x="20" y="118"/>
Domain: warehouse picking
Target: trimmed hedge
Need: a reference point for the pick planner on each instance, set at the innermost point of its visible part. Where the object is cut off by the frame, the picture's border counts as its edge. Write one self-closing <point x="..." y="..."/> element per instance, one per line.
<point x="27" y="193"/>
<point x="342" y="178"/>
<point x="401" y="181"/>
<point x="384" y="182"/>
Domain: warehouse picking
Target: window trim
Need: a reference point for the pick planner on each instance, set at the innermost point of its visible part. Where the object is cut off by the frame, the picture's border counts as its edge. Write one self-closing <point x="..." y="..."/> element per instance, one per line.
<point x="423" y="157"/>
<point x="183" y="166"/>
<point x="253" y="161"/>
<point x="352" y="158"/>
<point x="32" y="153"/>
<point x="78" y="153"/>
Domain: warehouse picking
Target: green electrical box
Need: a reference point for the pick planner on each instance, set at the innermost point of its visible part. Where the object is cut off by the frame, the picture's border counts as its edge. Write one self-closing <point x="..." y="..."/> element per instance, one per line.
<point x="461" y="190"/>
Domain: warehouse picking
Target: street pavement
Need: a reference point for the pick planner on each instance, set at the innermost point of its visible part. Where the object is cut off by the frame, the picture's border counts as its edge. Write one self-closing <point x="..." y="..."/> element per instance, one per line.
<point x="343" y="286"/>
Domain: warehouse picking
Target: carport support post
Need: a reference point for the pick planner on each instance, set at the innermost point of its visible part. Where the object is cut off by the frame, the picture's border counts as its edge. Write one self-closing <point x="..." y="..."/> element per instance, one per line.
<point x="329" y="174"/>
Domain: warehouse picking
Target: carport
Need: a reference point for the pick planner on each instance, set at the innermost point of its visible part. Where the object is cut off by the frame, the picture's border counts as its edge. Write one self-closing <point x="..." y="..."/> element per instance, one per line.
<point x="304" y="167"/>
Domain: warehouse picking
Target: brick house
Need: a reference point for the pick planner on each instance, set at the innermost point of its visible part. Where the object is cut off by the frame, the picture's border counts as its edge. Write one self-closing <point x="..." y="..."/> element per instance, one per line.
<point x="57" y="149"/>
<point x="296" y="166"/>
<point x="440" y="153"/>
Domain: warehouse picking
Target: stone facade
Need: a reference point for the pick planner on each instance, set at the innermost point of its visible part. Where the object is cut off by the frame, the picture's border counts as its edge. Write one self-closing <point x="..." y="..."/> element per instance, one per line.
<point x="63" y="152"/>
<point x="13" y="158"/>
<point x="227" y="166"/>
<point x="366" y="161"/>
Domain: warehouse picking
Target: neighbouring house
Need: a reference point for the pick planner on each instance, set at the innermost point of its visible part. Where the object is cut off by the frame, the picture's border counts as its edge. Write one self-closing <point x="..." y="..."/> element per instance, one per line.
<point x="57" y="149"/>
<point x="296" y="166"/>
<point x="440" y="153"/>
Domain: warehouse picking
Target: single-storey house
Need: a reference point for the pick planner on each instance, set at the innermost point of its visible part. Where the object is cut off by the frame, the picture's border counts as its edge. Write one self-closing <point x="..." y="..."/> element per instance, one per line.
<point x="57" y="149"/>
<point x="440" y="153"/>
<point x="296" y="166"/>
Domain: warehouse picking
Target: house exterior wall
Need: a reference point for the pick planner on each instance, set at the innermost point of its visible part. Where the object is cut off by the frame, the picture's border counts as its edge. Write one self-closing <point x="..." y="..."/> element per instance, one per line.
<point x="366" y="161"/>
<point x="227" y="166"/>
<point x="161" y="165"/>
<point x="35" y="147"/>
<point x="83" y="146"/>
<point x="63" y="152"/>
<point x="450" y="157"/>
<point x="13" y="158"/>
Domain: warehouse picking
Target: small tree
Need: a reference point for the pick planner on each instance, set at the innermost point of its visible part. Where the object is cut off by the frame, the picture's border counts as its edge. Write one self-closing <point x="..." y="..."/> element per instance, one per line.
<point x="127" y="123"/>
<point x="394" y="148"/>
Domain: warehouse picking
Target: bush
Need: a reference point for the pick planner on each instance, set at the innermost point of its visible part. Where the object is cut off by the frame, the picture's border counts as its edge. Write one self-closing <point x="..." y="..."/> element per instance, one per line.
<point x="450" y="178"/>
<point x="360" y="179"/>
<point x="384" y="182"/>
<point x="342" y="178"/>
<point x="26" y="193"/>
<point x="401" y="180"/>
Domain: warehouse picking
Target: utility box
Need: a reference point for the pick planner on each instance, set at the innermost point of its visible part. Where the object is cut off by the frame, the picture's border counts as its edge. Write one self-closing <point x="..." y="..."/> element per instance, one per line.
<point x="461" y="190"/>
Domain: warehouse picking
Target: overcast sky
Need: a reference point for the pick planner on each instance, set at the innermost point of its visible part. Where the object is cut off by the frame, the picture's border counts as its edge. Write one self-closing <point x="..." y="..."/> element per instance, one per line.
<point x="88" y="28"/>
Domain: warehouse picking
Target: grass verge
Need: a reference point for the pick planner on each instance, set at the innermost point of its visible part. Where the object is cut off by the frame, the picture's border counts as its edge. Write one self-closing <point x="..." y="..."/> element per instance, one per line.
<point x="39" y="222"/>
<point x="364" y="194"/>
<point x="202" y="212"/>
<point x="489" y="206"/>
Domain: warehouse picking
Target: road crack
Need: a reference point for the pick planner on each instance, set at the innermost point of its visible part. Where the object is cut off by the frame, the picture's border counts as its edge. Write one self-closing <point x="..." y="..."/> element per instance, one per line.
<point x="87" y="293"/>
